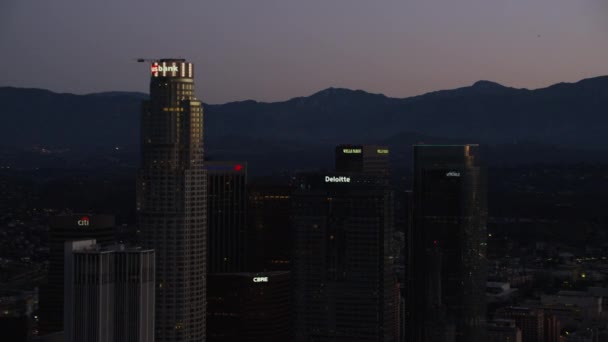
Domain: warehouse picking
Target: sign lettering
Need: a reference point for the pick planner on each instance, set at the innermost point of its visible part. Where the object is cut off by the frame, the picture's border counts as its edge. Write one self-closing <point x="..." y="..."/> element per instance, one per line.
<point x="334" y="179"/>
<point x="156" y="68"/>
<point x="83" y="222"/>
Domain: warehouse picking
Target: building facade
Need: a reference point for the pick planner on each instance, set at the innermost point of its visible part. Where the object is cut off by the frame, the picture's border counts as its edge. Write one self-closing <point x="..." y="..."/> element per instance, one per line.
<point x="343" y="283"/>
<point x="65" y="228"/>
<point x="447" y="246"/>
<point x="109" y="293"/>
<point x="249" y="306"/>
<point x="368" y="159"/>
<point x="503" y="330"/>
<point x="171" y="200"/>
<point x="529" y="320"/>
<point x="269" y="233"/>
<point x="227" y="215"/>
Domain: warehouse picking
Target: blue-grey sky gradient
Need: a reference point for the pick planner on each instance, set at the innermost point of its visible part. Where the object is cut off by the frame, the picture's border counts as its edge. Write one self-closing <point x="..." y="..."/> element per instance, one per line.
<point x="271" y="50"/>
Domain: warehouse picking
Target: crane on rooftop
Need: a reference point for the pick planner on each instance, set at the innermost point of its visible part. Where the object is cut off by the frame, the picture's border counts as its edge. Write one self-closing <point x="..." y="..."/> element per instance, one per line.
<point x="143" y="60"/>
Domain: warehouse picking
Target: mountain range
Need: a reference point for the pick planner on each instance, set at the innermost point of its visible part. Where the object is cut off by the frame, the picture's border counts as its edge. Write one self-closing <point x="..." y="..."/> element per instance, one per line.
<point x="565" y="116"/>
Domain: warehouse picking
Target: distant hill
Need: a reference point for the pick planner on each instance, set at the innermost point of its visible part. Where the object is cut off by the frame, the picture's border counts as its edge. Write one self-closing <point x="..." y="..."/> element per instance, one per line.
<point x="563" y="114"/>
<point x="31" y="117"/>
<point x="570" y="115"/>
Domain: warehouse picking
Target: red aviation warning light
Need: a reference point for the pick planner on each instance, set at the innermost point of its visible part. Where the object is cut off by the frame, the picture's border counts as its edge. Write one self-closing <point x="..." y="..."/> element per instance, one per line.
<point x="238" y="167"/>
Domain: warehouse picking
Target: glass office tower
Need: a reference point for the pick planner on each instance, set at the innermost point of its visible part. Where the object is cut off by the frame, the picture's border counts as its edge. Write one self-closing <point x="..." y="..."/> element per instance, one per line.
<point x="447" y="245"/>
<point x="227" y="215"/>
<point x="343" y="280"/>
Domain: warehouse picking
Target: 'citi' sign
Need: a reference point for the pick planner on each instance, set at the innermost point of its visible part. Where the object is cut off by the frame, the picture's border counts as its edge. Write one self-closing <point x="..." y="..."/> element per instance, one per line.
<point x="83" y="222"/>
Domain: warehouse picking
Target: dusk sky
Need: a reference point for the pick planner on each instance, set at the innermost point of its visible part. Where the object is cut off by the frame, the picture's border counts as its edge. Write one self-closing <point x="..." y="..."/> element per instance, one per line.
<point x="270" y="50"/>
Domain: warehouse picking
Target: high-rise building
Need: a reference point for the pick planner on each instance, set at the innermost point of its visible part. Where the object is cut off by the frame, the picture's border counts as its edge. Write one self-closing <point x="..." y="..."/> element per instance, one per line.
<point x="65" y="228"/>
<point x="134" y="294"/>
<point x="172" y="200"/>
<point x="552" y="327"/>
<point x="227" y="215"/>
<point x="249" y="306"/>
<point x="109" y="293"/>
<point x="368" y="159"/>
<point x="529" y="320"/>
<point x="447" y="246"/>
<point x="343" y="283"/>
<point x="269" y="233"/>
<point x="503" y="330"/>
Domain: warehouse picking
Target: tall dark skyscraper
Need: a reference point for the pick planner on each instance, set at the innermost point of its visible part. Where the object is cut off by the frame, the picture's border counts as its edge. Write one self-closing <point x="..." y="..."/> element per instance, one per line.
<point x="269" y="235"/>
<point x="65" y="228"/>
<point x="249" y="307"/>
<point x="447" y="246"/>
<point x="343" y="281"/>
<point x="172" y="200"/>
<point x="227" y="212"/>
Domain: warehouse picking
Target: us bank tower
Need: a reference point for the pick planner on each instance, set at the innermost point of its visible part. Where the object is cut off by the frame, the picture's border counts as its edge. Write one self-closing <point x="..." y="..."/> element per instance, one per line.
<point x="171" y="200"/>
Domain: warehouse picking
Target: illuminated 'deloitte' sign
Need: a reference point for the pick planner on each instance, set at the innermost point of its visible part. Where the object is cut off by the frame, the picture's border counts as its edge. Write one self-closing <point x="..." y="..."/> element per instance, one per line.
<point x="453" y="174"/>
<point x="334" y="179"/>
<point x="351" y="150"/>
<point x="156" y="68"/>
<point x="260" y="279"/>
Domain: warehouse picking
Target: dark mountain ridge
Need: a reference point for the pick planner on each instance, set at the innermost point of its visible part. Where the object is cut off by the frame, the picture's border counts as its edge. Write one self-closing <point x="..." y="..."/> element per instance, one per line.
<point x="564" y="114"/>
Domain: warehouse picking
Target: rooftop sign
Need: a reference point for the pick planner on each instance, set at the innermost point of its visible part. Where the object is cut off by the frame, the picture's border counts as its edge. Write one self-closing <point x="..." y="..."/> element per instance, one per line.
<point x="156" y="68"/>
<point x="84" y="221"/>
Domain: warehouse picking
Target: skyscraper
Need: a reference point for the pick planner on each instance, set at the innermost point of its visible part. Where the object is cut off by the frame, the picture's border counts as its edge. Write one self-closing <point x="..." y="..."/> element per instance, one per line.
<point x="65" y="228"/>
<point x="227" y="213"/>
<point x="109" y="293"/>
<point x="447" y="246"/>
<point x="249" y="306"/>
<point x="529" y="320"/>
<point x="368" y="159"/>
<point x="343" y="281"/>
<point x="269" y="235"/>
<point x="503" y="330"/>
<point x="171" y="200"/>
